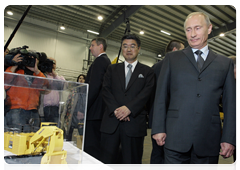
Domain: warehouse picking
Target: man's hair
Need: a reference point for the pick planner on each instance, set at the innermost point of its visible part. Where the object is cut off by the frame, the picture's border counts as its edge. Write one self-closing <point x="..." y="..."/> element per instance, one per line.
<point x="207" y="20"/>
<point x="100" y="40"/>
<point x="233" y="58"/>
<point x="132" y="36"/>
<point x="172" y="44"/>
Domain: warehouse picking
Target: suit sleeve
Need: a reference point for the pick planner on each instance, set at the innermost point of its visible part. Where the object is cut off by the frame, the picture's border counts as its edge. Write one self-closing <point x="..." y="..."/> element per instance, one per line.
<point x="161" y="101"/>
<point x="137" y="104"/>
<point x="108" y="97"/>
<point x="229" y="107"/>
<point x="96" y="79"/>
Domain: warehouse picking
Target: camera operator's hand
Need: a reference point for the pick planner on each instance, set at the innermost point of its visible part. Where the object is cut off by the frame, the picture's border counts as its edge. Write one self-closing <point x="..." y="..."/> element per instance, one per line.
<point x="35" y="68"/>
<point x="17" y="58"/>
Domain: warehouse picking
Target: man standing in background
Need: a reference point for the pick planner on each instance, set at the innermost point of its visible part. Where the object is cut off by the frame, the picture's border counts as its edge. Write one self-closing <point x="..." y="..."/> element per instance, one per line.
<point x="95" y="105"/>
<point x="191" y="83"/>
<point x="157" y="155"/>
<point x="235" y="62"/>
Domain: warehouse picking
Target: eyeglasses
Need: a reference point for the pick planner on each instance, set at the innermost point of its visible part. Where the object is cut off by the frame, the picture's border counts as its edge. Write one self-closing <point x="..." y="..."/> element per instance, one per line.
<point x="132" y="47"/>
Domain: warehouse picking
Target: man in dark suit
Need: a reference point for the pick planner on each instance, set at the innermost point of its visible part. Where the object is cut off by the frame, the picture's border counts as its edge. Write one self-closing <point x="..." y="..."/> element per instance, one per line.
<point x="186" y="109"/>
<point x="126" y="89"/>
<point x="157" y="155"/>
<point x="95" y="105"/>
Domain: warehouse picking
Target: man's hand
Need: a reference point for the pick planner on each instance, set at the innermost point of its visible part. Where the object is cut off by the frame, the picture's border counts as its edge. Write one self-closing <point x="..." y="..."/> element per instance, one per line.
<point x="80" y="115"/>
<point x="17" y="58"/>
<point x="122" y="112"/>
<point x="35" y="68"/>
<point x="227" y="150"/>
<point x="160" y="138"/>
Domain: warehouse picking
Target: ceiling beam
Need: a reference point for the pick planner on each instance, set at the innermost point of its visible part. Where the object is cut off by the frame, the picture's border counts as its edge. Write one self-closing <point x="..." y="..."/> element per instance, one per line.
<point x="121" y="19"/>
<point x="223" y="29"/>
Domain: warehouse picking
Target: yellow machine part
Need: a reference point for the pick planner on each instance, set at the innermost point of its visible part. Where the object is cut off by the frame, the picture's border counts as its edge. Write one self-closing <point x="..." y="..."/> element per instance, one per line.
<point x="55" y="158"/>
<point x="47" y="139"/>
<point x="16" y="143"/>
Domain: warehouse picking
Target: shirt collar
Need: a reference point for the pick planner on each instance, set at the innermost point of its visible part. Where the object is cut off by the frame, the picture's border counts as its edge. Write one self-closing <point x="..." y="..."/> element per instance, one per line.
<point x="101" y="54"/>
<point x="133" y="64"/>
<point x="204" y="50"/>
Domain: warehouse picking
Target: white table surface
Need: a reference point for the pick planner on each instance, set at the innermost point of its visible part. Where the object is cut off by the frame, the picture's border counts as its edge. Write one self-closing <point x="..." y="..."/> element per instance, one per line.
<point x="74" y="155"/>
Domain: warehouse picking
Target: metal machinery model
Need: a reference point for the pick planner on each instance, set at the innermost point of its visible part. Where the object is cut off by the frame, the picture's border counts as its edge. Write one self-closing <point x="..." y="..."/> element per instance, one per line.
<point x="48" y="140"/>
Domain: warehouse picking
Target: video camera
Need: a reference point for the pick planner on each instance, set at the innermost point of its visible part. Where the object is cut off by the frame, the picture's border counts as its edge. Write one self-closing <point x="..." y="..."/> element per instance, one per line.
<point x="45" y="64"/>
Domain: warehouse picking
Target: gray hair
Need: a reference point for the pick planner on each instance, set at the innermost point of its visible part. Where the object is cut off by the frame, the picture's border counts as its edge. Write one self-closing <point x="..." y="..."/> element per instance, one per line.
<point x="208" y="22"/>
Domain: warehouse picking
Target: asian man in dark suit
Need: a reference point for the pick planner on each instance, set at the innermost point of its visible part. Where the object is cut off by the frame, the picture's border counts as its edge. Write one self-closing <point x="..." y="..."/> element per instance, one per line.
<point x="95" y="105"/>
<point x="191" y="83"/>
<point x="126" y="90"/>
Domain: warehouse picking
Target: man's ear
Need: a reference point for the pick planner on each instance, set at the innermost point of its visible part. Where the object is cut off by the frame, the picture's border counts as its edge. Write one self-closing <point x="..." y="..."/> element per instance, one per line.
<point x="174" y="49"/>
<point x="210" y="29"/>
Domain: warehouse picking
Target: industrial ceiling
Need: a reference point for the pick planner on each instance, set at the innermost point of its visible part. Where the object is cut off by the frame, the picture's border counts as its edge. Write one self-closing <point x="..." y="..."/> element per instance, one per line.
<point x="149" y="18"/>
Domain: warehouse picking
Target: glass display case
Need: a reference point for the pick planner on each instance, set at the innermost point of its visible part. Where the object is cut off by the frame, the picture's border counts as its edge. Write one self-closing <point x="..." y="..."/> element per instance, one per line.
<point x="43" y="117"/>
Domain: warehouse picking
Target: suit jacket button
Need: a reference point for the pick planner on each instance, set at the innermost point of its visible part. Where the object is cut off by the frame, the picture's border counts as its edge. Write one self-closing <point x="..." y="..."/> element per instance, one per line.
<point x="198" y="95"/>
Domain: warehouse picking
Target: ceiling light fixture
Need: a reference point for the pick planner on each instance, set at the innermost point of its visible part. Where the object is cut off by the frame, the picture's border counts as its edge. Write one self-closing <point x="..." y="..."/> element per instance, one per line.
<point x="159" y="55"/>
<point x="222" y="34"/>
<point x="93" y="32"/>
<point x="100" y="17"/>
<point x="10" y="13"/>
<point x="62" y="27"/>
<point x="165" y="32"/>
<point x="141" y="32"/>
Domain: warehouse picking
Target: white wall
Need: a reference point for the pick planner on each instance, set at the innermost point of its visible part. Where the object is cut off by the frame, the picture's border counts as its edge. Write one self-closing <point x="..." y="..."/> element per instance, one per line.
<point x="68" y="49"/>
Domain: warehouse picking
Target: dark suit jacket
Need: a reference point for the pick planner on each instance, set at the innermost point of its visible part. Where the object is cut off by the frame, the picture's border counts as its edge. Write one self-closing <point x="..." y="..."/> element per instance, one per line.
<point x="95" y="105"/>
<point x="134" y="98"/>
<point x="156" y="68"/>
<point x="186" y="105"/>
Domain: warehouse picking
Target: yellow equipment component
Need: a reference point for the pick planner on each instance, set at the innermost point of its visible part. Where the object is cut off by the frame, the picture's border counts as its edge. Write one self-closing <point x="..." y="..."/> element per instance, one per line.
<point x="47" y="139"/>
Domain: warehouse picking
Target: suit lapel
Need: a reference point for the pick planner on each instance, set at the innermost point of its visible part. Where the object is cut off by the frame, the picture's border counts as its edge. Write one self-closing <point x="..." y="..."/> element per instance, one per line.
<point x="188" y="52"/>
<point x="121" y="72"/>
<point x="134" y="76"/>
<point x="211" y="56"/>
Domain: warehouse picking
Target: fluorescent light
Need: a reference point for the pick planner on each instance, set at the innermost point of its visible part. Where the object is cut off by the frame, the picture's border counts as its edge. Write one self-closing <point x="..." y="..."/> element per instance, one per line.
<point x="222" y="34"/>
<point x="165" y="32"/>
<point x="100" y="17"/>
<point x="141" y="32"/>
<point x="9" y="13"/>
<point x="93" y="32"/>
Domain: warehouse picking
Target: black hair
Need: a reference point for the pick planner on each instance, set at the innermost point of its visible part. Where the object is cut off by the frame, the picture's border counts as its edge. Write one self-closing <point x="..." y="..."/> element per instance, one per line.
<point x="172" y="44"/>
<point x="132" y="36"/>
<point x="81" y="75"/>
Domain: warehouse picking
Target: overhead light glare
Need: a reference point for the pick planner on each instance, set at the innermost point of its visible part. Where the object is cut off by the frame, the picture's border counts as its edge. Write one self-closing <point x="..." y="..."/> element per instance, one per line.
<point x="165" y="32"/>
<point x="9" y="13"/>
<point x="222" y="35"/>
<point x="93" y="32"/>
<point x="159" y="55"/>
<point x="100" y="17"/>
<point x="141" y="32"/>
<point x="62" y="27"/>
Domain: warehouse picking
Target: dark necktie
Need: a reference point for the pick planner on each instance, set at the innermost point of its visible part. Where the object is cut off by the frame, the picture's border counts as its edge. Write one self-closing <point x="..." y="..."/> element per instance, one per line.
<point x="129" y="73"/>
<point x="200" y="60"/>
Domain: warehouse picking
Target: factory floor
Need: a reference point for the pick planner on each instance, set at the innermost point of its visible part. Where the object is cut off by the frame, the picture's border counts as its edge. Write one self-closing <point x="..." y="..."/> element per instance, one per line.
<point x="148" y="149"/>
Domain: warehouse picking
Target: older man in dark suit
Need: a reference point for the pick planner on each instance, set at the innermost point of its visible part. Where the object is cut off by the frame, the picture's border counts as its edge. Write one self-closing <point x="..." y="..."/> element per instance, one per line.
<point x="186" y="110"/>
<point x="95" y="105"/>
<point x="126" y="89"/>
